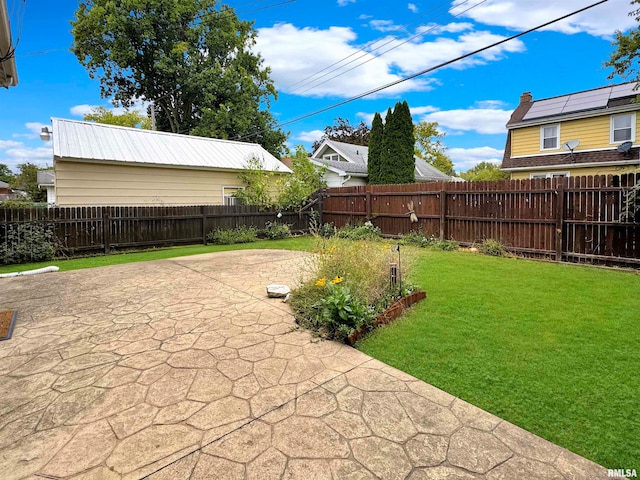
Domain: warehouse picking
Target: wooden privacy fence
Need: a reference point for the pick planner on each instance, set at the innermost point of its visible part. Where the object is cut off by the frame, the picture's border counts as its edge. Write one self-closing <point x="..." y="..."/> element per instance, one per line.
<point x="577" y="219"/>
<point x="101" y="229"/>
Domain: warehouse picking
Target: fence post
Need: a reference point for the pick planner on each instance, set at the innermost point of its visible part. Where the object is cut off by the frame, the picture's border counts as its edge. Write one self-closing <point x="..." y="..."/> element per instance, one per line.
<point x="368" y="205"/>
<point x="106" y="231"/>
<point x="443" y="213"/>
<point x="203" y="210"/>
<point x="559" y="219"/>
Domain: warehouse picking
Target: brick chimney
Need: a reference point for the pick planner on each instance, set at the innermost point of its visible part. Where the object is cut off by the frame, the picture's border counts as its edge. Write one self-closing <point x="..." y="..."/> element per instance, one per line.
<point x="526" y="98"/>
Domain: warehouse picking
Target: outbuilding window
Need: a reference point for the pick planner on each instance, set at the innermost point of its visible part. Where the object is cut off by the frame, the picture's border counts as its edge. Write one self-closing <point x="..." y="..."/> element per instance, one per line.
<point x="623" y="128"/>
<point x="331" y="157"/>
<point x="228" y="196"/>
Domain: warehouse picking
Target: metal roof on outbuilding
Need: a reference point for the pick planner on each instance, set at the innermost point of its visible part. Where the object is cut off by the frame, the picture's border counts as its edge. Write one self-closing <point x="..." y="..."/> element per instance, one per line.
<point x="98" y="142"/>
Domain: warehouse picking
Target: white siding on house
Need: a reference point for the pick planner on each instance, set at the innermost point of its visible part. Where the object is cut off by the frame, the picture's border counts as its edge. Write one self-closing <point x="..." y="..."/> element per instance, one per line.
<point x="335" y="180"/>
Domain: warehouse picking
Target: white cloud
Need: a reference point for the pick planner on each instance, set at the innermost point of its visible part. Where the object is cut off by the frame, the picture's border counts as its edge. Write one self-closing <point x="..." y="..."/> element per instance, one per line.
<point x="81" y="110"/>
<point x="413" y="7"/>
<point x="480" y="120"/>
<point x="365" y="17"/>
<point x="342" y="3"/>
<point x="4" y="144"/>
<point x="465" y="158"/>
<point x="601" y="21"/>
<point x="285" y="49"/>
<point x="454" y="27"/>
<point x="311" y="136"/>
<point x="490" y="104"/>
<point x="383" y="25"/>
<point x="34" y="129"/>
<point x="40" y="156"/>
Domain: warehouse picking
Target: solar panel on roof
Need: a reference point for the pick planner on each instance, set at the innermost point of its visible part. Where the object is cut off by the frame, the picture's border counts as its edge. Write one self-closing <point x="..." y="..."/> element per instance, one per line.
<point x="625" y="90"/>
<point x="544" y="108"/>
<point x="581" y="101"/>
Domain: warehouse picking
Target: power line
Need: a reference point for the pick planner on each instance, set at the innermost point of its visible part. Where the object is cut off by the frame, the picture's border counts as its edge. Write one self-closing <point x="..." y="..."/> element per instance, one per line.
<point x="419" y="34"/>
<point x="431" y="69"/>
<point x="365" y="48"/>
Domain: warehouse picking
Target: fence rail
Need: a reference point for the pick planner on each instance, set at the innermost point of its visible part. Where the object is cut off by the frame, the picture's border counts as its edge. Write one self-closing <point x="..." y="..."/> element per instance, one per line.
<point x="103" y="229"/>
<point x="578" y="219"/>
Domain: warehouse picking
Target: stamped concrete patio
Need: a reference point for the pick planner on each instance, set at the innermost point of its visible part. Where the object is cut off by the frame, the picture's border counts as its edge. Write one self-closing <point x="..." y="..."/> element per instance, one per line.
<point x="183" y="369"/>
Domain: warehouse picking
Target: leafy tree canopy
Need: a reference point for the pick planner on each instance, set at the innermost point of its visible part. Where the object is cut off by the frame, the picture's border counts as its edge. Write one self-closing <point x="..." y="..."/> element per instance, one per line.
<point x="306" y="179"/>
<point x="27" y="181"/>
<point x="258" y="184"/>
<point x="430" y="146"/>
<point x="625" y="59"/>
<point x="131" y="119"/>
<point x="343" y="131"/>
<point x="485" y="171"/>
<point x="193" y="59"/>
<point x="6" y="175"/>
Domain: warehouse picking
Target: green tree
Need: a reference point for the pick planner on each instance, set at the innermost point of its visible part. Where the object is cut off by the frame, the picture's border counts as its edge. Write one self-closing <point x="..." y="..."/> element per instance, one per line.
<point x="343" y="131"/>
<point x="27" y="181"/>
<point x="625" y="59"/>
<point x="376" y="155"/>
<point x="305" y="180"/>
<point x="430" y="147"/>
<point x="398" y="165"/>
<point x="6" y="175"/>
<point x="485" y="171"/>
<point x="406" y="147"/>
<point x="387" y="166"/>
<point x="131" y="119"/>
<point x="192" y="59"/>
<point x="258" y="184"/>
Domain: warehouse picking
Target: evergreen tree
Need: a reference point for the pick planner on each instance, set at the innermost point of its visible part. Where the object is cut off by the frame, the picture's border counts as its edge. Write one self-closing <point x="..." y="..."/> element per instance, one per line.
<point x="376" y="155"/>
<point x="406" y="144"/>
<point x="388" y="162"/>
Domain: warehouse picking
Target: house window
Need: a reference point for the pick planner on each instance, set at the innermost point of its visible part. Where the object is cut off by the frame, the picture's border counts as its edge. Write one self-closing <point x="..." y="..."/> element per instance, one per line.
<point x="549" y="137"/>
<point x="331" y="157"/>
<point x="549" y="175"/>
<point x="228" y="196"/>
<point x="623" y="128"/>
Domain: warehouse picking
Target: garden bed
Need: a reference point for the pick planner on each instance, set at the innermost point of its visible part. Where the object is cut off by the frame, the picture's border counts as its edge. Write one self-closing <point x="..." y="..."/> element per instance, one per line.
<point x="390" y="314"/>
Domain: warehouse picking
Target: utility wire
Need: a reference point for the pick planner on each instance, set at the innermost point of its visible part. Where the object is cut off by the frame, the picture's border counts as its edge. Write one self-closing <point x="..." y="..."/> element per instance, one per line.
<point x="373" y="57"/>
<point x="431" y="69"/>
<point x="367" y="48"/>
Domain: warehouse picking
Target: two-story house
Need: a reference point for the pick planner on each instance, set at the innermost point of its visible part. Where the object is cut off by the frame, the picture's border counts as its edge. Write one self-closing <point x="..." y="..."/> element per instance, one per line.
<point x="584" y="133"/>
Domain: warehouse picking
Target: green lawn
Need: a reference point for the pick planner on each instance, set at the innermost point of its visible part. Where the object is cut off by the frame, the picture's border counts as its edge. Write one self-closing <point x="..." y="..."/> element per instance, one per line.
<point x="552" y="348"/>
<point x="293" y="243"/>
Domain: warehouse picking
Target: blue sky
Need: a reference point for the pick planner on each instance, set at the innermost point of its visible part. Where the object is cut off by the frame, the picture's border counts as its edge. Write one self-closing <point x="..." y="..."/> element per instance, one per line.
<point x="471" y="100"/>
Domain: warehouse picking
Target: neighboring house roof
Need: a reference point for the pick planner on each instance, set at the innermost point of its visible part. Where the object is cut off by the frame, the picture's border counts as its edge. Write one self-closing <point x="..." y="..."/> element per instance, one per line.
<point x="356" y="158"/>
<point x="587" y="103"/>
<point x="8" y="69"/>
<point x="46" y="178"/>
<point x="114" y="144"/>
<point x="4" y="184"/>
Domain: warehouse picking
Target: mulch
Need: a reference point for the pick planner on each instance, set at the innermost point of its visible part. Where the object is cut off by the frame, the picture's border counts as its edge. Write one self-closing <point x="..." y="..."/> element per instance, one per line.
<point x="7" y="321"/>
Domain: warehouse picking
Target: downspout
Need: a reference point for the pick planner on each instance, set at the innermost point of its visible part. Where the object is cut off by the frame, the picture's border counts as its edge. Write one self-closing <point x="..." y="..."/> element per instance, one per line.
<point x="346" y="179"/>
<point x="8" y="66"/>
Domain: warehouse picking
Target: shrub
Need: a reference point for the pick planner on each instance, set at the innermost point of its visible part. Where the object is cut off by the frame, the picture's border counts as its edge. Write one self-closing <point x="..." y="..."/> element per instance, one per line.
<point x="27" y="242"/>
<point x="241" y="234"/>
<point x="348" y="287"/>
<point x="492" y="247"/>
<point x="367" y="231"/>
<point x="276" y="231"/>
<point x="418" y="239"/>
<point x="327" y="230"/>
